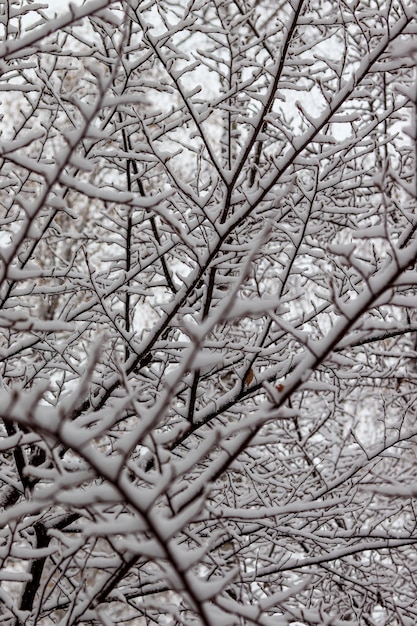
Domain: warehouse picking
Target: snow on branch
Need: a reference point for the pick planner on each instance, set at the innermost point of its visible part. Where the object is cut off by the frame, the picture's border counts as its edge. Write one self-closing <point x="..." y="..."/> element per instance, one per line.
<point x="207" y="313"/>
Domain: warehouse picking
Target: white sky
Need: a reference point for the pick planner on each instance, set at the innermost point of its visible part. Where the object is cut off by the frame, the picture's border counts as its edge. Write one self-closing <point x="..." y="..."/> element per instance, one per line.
<point x="60" y="6"/>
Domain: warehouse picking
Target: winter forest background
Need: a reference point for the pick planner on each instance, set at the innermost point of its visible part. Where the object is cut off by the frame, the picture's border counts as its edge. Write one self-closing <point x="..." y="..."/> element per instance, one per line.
<point x="208" y="294"/>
